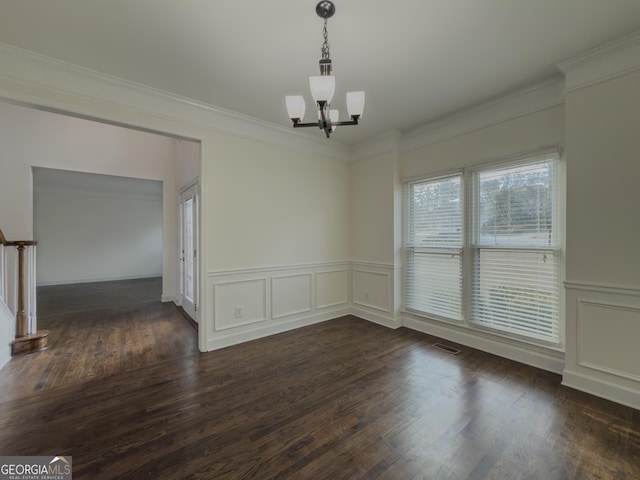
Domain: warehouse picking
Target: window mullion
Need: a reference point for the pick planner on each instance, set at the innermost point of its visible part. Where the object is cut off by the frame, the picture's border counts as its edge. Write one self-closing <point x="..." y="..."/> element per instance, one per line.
<point x="467" y="256"/>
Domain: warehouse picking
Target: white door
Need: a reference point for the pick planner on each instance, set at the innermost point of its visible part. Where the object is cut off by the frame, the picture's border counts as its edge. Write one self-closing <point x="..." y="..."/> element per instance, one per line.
<point x="189" y="251"/>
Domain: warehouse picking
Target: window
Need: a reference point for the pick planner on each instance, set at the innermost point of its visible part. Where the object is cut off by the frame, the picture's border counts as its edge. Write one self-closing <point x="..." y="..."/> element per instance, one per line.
<point x="505" y="234"/>
<point x="516" y="249"/>
<point x="435" y="240"/>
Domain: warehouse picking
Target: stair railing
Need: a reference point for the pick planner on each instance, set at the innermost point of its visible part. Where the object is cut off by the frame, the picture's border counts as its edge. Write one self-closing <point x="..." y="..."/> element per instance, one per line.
<point x="27" y="339"/>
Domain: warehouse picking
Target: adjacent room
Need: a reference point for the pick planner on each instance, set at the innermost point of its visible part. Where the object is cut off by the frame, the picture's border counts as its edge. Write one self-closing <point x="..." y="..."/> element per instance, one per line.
<point x="320" y="240"/>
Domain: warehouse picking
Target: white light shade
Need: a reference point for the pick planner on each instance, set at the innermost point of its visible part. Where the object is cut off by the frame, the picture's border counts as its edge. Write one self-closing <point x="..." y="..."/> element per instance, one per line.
<point x="334" y="115"/>
<point x="355" y="103"/>
<point x="295" y="106"/>
<point x="322" y="87"/>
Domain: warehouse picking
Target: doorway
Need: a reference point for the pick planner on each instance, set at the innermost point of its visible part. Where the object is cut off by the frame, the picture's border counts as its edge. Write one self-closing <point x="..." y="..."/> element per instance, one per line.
<point x="96" y="228"/>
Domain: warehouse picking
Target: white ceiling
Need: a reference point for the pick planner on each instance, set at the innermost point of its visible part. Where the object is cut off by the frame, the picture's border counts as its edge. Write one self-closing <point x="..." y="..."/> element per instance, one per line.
<point x="417" y="60"/>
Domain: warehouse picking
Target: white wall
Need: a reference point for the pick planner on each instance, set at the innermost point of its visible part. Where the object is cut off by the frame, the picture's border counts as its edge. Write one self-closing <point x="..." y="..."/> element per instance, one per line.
<point x="599" y="127"/>
<point x="34" y="138"/>
<point x="372" y="189"/>
<point x="277" y="230"/>
<point x="274" y="202"/>
<point x="516" y="137"/>
<point x="377" y="202"/>
<point x="188" y="165"/>
<point x="377" y="221"/>
<point x="603" y="236"/>
<point x="513" y="137"/>
<point x="274" y="207"/>
<point x="96" y="227"/>
<point x="376" y="234"/>
<point x="603" y="168"/>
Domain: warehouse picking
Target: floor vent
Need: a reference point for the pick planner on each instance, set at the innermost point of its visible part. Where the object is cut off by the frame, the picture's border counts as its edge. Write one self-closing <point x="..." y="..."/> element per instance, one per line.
<point x="447" y="348"/>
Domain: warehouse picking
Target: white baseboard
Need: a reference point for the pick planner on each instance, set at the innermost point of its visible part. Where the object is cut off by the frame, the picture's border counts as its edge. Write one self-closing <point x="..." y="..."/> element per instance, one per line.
<point x="384" y="320"/>
<point x="265" y="330"/>
<point x="539" y="358"/>
<point x="169" y="298"/>
<point x="602" y="388"/>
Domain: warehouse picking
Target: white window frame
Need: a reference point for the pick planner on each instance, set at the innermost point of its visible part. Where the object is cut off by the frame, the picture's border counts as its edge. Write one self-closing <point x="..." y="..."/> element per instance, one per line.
<point x="412" y="250"/>
<point x="470" y="250"/>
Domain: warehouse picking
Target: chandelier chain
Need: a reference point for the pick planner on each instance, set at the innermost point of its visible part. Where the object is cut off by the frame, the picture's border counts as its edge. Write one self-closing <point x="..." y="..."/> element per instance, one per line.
<point x="326" y="54"/>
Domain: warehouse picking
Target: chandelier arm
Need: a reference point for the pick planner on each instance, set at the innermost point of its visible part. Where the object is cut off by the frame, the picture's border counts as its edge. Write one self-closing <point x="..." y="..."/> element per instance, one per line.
<point x="353" y="121"/>
<point x="308" y="124"/>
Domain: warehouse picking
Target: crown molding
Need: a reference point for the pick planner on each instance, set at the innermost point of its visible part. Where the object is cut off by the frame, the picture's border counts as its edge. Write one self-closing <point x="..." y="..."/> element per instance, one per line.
<point x="535" y="98"/>
<point x="44" y="82"/>
<point x="538" y="97"/>
<point x="602" y="63"/>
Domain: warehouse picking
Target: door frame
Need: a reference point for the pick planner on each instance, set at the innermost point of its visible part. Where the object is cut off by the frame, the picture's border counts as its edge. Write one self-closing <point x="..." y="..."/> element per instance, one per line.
<point x="192" y="188"/>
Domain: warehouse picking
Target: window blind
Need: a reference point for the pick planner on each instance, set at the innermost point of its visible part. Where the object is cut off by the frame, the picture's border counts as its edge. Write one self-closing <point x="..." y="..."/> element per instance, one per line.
<point x="517" y="291"/>
<point x="516" y="255"/>
<point x="434" y="242"/>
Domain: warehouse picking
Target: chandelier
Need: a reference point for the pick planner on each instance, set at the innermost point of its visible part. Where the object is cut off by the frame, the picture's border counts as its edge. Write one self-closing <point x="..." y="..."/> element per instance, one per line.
<point x="323" y="87"/>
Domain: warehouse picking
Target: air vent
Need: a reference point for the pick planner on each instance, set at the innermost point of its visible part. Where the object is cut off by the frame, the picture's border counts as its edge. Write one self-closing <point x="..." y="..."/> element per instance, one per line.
<point x="447" y="348"/>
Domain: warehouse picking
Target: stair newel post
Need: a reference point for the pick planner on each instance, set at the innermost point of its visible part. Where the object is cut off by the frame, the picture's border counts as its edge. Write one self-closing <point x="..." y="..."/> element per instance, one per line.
<point x="31" y="292"/>
<point x="27" y="339"/>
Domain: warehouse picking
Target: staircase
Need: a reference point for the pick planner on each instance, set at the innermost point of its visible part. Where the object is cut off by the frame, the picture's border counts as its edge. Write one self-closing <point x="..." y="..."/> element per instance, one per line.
<point x="18" y="290"/>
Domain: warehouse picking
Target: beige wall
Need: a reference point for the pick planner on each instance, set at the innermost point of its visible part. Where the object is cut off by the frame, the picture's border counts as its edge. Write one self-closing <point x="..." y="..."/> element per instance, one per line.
<point x="278" y="201"/>
<point x="373" y="188"/>
<point x="269" y="206"/>
<point x="93" y="228"/>
<point x="377" y="221"/>
<point x="603" y="235"/>
<point x="263" y="205"/>
<point x="376" y="238"/>
<point x="513" y="137"/>
<point x="35" y="138"/>
<point x="188" y="165"/>
<point x="603" y="170"/>
<point x="281" y="227"/>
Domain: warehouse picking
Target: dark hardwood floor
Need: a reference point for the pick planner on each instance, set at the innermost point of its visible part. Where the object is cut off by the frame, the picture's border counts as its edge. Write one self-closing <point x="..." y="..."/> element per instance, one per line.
<point x="123" y="391"/>
<point x="98" y="329"/>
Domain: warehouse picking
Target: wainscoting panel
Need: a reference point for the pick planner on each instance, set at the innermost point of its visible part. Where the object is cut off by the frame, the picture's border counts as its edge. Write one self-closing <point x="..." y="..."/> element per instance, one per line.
<point x="372" y="289"/>
<point x="239" y="302"/>
<point x="603" y="328"/>
<point x="602" y="325"/>
<point x="376" y="293"/>
<point x="332" y="288"/>
<point x="290" y="294"/>
<point x="252" y="303"/>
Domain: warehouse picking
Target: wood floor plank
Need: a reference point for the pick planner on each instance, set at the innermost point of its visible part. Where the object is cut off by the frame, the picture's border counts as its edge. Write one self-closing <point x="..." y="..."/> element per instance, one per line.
<point x="124" y="391"/>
